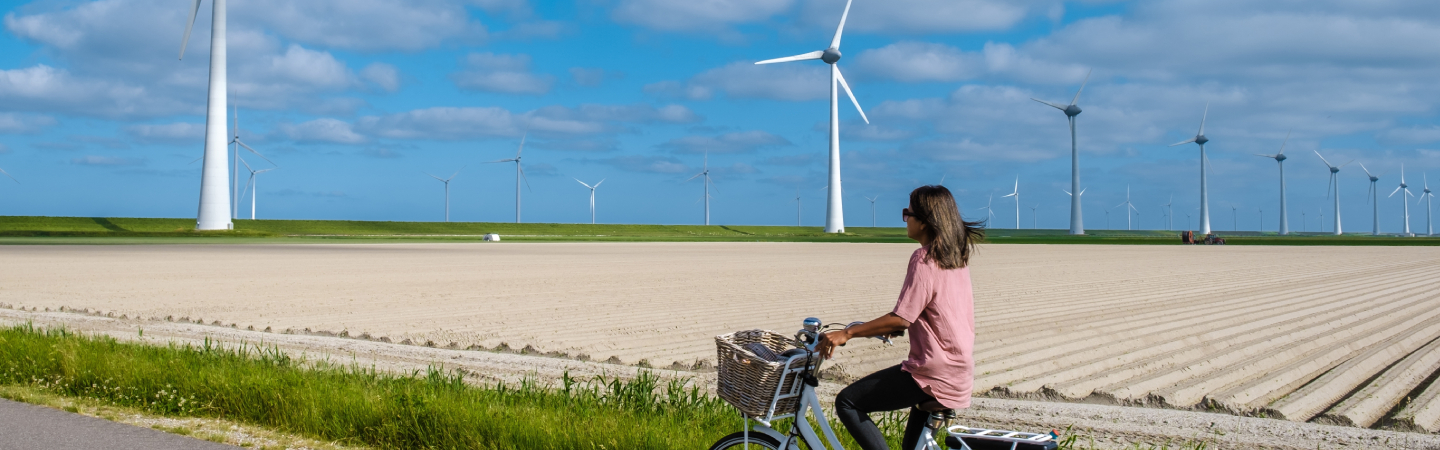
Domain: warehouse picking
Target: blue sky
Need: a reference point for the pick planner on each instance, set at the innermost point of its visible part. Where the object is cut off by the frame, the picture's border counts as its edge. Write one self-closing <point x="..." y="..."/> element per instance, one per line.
<point x="356" y="99"/>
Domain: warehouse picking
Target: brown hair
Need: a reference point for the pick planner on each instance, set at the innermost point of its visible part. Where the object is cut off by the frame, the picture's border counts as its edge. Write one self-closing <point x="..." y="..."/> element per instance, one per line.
<point x="952" y="238"/>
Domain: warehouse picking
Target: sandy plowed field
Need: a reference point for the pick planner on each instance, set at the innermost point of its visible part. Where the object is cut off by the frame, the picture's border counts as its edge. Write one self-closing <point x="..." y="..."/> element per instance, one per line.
<point x="1326" y="334"/>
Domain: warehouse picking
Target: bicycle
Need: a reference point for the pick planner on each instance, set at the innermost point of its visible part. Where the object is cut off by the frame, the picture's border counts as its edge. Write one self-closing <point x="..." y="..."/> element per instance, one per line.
<point x="793" y="372"/>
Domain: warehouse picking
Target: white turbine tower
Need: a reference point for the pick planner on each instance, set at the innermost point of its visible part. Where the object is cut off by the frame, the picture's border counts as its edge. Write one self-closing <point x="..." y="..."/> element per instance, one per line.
<point x="1426" y="197"/>
<point x="1333" y="189"/>
<point x="705" y="172"/>
<point x="1373" y="198"/>
<point x="1169" y="213"/>
<point x="1016" y="194"/>
<point x="236" y="143"/>
<point x="1128" y="208"/>
<point x="797" y="206"/>
<point x="1405" y="188"/>
<point x="872" y="209"/>
<point x="213" y="176"/>
<point x="519" y="175"/>
<point x="1077" y="220"/>
<point x="1204" y="161"/>
<point x="1280" y="157"/>
<point x="252" y="185"/>
<point x="447" y="190"/>
<point x="592" y="197"/>
<point x="834" y="213"/>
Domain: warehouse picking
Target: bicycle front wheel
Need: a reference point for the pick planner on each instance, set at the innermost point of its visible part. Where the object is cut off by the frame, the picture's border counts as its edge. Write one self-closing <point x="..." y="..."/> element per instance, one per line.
<point x="736" y="441"/>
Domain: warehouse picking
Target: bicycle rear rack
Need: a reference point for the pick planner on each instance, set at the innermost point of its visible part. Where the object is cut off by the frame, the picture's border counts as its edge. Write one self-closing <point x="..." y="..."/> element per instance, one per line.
<point x="967" y="438"/>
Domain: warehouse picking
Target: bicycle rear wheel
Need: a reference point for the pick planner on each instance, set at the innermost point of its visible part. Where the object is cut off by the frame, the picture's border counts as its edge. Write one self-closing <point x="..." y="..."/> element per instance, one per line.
<point x="736" y="441"/>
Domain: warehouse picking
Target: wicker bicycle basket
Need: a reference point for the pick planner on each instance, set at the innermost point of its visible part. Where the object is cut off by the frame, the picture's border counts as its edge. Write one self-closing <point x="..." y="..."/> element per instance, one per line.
<point x="748" y="381"/>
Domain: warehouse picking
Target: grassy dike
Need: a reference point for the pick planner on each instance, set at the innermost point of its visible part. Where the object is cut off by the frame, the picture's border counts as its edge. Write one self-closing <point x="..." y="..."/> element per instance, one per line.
<point x="101" y="230"/>
<point x="354" y="406"/>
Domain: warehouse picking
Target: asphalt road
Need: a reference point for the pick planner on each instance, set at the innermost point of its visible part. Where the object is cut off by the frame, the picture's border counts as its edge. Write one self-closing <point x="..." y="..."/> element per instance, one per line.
<point x="30" y="427"/>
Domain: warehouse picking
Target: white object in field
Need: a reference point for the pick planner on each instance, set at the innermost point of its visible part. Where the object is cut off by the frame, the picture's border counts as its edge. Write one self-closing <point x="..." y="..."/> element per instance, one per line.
<point x="1016" y="194"/>
<point x="252" y="185"/>
<point x="1280" y="158"/>
<point x="213" y="176"/>
<point x="989" y="212"/>
<point x="592" y="198"/>
<point x="492" y="237"/>
<point x="1077" y="220"/>
<point x="705" y="172"/>
<point x="519" y="174"/>
<point x="1334" y="188"/>
<point x="1406" y="189"/>
<point x="1131" y="207"/>
<point x="1204" y="161"/>
<point x="1373" y="198"/>
<point x="834" y="214"/>
<point x="447" y="190"/>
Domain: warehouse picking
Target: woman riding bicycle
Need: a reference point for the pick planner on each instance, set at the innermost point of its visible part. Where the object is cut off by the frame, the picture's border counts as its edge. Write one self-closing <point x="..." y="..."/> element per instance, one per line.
<point x="937" y="306"/>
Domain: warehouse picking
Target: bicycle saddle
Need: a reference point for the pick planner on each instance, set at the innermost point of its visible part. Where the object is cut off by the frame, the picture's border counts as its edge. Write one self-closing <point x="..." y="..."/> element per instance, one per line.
<point x="934" y="406"/>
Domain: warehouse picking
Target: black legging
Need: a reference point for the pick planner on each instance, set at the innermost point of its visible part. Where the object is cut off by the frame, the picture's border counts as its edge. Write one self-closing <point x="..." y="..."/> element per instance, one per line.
<point x="887" y="390"/>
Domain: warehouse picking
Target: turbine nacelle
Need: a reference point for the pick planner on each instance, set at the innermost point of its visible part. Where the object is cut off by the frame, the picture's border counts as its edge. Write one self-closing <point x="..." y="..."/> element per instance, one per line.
<point x="830" y="55"/>
<point x="1201" y="139"/>
<point x="1072" y="110"/>
<point x="1281" y="157"/>
<point x="1334" y="169"/>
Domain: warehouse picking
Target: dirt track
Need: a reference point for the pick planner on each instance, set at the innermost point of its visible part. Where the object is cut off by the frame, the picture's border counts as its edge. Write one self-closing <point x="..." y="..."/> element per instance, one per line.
<point x="1337" y="335"/>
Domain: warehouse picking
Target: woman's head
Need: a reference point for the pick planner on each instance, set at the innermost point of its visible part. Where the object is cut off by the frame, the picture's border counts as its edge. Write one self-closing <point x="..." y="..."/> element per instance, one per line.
<point x="934" y="218"/>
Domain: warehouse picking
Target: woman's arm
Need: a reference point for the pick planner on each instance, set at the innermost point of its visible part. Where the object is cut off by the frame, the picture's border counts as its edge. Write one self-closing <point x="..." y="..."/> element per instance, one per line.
<point x="885" y="325"/>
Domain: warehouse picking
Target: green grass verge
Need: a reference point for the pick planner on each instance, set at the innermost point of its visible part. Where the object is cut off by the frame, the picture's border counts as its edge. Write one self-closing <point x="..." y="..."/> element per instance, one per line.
<point x="98" y="230"/>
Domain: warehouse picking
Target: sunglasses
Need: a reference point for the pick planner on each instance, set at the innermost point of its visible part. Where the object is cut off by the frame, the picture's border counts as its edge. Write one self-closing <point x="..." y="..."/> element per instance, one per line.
<point x="905" y="215"/>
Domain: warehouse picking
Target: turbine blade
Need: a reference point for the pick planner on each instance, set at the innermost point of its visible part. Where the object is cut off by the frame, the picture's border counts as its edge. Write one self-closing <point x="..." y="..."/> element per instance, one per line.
<point x="696" y="176"/>
<point x="1329" y="184"/>
<point x="523" y="177"/>
<point x="522" y="144"/>
<point x="1267" y="156"/>
<point x="1082" y="87"/>
<point x="247" y="165"/>
<point x="1367" y="193"/>
<point x="602" y="180"/>
<point x="432" y="176"/>
<point x="1367" y="171"/>
<point x="801" y="57"/>
<point x="1082" y="191"/>
<point x="582" y="183"/>
<point x="7" y="175"/>
<point x="835" y="43"/>
<point x="843" y="84"/>
<point x="1204" y="116"/>
<point x="500" y="161"/>
<point x="1346" y="164"/>
<point x="457" y="172"/>
<point x="188" y="26"/>
<point x="1287" y="141"/>
<point x="1052" y="105"/>
<point x="1187" y="141"/>
<point x="1322" y="158"/>
<point x="1007" y="195"/>
<point x="1392" y="193"/>
<point x="242" y="144"/>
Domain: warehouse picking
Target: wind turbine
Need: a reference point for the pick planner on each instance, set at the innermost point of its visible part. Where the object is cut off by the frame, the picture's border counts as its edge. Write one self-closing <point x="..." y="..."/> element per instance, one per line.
<point x="1035" y="217"/>
<point x="872" y="209"/>
<point x="706" y="173"/>
<point x="1107" y="218"/>
<point x="212" y="174"/>
<point x="1077" y="220"/>
<point x="1262" y="219"/>
<point x="1016" y="194"/>
<point x="1279" y="158"/>
<point x="1234" y="218"/>
<point x="236" y="143"/>
<point x="252" y="185"/>
<point x="1373" y="198"/>
<point x="1426" y="197"/>
<point x="1204" y="189"/>
<point x="519" y="175"/>
<point x="1129" y="207"/>
<point x="7" y="175"/>
<point x="797" y="206"/>
<point x="1334" y="189"/>
<point x="989" y="212"/>
<point x="1406" y="188"/>
<point x="592" y="197"/>
<point x="1170" y="213"/>
<point x="447" y="190"/>
<point x="834" y="213"/>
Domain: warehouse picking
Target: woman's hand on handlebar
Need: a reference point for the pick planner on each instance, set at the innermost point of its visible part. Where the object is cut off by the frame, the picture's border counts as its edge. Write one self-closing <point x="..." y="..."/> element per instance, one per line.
<point x="830" y="340"/>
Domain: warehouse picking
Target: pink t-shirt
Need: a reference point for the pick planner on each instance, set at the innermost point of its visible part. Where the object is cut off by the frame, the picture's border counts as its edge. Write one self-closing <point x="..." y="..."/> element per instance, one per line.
<point x="940" y="307"/>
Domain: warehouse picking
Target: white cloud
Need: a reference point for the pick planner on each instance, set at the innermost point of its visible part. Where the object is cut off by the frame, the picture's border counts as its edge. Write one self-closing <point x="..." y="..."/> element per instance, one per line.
<point x="174" y="133"/>
<point x="367" y="25"/>
<point x="25" y="123"/>
<point x="324" y="130"/>
<point x="699" y="16"/>
<point x="736" y="142"/>
<point x="106" y="161"/>
<point x="806" y="80"/>
<point x="647" y="164"/>
<point x="443" y="123"/>
<point x="502" y="73"/>
<point x="385" y="76"/>
<point x="923" y="16"/>
<point x="587" y="76"/>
